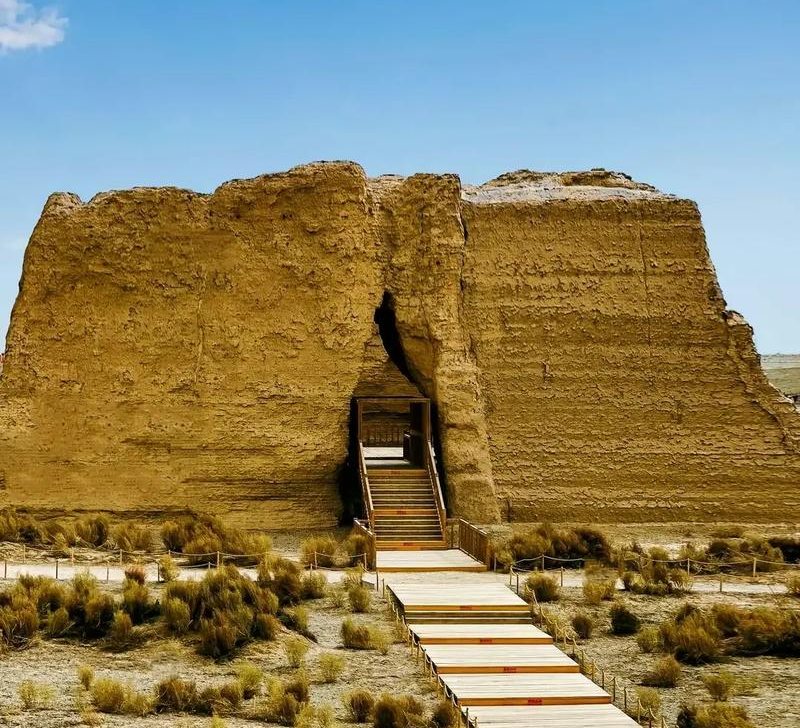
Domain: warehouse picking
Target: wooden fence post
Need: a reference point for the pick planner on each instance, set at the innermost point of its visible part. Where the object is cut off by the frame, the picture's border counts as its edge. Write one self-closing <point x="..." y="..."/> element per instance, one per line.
<point x="56" y="569"/>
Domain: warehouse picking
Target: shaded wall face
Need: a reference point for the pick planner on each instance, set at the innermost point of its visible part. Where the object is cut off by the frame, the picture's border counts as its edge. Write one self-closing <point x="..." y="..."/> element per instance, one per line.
<point x="615" y="385"/>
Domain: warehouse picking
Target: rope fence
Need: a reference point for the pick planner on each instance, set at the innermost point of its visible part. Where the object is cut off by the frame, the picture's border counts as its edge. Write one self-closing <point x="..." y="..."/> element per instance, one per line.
<point x="120" y="558"/>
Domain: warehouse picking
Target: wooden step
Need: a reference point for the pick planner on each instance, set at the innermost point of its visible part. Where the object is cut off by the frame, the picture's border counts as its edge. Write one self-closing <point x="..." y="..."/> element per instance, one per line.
<point x="410" y="545"/>
<point x="380" y="473"/>
<point x="426" y="511"/>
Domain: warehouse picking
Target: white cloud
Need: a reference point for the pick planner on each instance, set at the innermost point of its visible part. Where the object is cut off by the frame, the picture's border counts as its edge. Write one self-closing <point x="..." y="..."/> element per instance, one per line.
<point x="23" y="26"/>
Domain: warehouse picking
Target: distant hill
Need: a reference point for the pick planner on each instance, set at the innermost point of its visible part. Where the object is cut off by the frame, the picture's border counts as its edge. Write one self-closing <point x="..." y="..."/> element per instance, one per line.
<point x="783" y="370"/>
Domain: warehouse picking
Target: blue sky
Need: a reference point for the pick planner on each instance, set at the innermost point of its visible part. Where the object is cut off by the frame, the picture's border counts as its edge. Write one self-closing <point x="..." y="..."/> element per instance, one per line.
<point x="700" y="98"/>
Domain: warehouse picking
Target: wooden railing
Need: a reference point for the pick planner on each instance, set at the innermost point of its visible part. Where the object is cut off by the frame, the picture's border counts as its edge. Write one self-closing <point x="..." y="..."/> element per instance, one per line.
<point x="383" y="435"/>
<point x="475" y="542"/>
<point x="366" y="495"/>
<point x="369" y="536"/>
<point x="430" y="466"/>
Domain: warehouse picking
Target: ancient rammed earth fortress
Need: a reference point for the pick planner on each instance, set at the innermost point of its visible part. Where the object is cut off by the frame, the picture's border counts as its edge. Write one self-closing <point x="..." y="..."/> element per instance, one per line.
<point x="173" y="350"/>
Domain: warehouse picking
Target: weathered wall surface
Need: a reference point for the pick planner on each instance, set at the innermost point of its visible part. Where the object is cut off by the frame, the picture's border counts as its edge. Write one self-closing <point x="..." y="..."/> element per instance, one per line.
<point x="171" y="350"/>
<point x="615" y="382"/>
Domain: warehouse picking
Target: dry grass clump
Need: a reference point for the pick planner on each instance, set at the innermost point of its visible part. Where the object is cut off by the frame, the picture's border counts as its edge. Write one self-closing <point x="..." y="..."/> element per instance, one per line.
<point x="696" y="636"/>
<point x="319" y="551"/>
<point x="715" y="715"/>
<point x="545" y="588"/>
<point x="168" y="569"/>
<point x="285" y="700"/>
<point x="650" y="700"/>
<point x="177" y="615"/>
<point x="175" y="695"/>
<point x="793" y="585"/>
<point x="121" y="634"/>
<point x="314" y="716"/>
<point x="205" y="535"/>
<point x="64" y="533"/>
<point x="583" y="624"/>
<point x="721" y="686"/>
<point x="132" y="537"/>
<point x="136" y="601"/>
<point x="599" y="590"/>
<point x="314" y="585"/>
<point x="296" y="649"/>
<point x="359" y="704"/>
<point x="77" y="608"/>
<point x="331" y="666"/>
<point x="296" y="618"/>
<point x="250" y="677"/>
<point x="657" y="575"/>
<point x="396" y="712"/>
<point x="360" y="599"/>
<point x="86" y="676"/>
<point x="364" y="637"/>
<point x="649" y="639"/>
<point x="282" y="578"/>
<point x="35" y="695"/>
<point x="226" y="608"/>
<point x="112" y="696"/>
<point x="445" y="715"/>
<point x="734" y="555"/>
<point x="623" y="620"/>
<point x="582" y="543"/>
<point x="665" y="673"/>
<point x="355" y="546"/>
<point x="136" y="573"/>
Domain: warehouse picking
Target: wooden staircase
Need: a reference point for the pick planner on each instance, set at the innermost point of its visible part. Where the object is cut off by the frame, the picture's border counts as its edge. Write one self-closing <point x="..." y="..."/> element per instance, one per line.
<point x="405" y="513"/>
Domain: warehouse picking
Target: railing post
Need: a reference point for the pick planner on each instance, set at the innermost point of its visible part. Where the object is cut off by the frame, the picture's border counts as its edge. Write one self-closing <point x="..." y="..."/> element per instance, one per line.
<point x="754" y="567"/>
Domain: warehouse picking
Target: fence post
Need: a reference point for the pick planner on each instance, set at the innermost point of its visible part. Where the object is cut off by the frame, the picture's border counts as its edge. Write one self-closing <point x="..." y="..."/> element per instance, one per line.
<point x="56" y="569"/>
<point x="754" y="567"/>
<point x="688" y="566"/>
<point x="218" y="559"/>
<point x="720" y="582"/>
<point x="120" y="557"/>
<point x="562" y="576"/>
<point x="108" y="571"/>
<point x="517" y="582"/>
<point x="542" y="562"/>
<point x="5" y="569"/>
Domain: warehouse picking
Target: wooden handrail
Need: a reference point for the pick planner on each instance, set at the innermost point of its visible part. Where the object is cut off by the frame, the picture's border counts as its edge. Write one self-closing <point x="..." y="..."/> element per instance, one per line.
<point x="371" y="546"/>
<point x="365" y="490"/>
<point x="475" y="542"/>
<point x="430" y="464"/>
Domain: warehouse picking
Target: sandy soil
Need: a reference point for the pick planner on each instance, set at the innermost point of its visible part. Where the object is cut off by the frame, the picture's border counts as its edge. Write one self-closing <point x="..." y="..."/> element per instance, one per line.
<point x="55" y="662"/>
<point x="773" y="699"/>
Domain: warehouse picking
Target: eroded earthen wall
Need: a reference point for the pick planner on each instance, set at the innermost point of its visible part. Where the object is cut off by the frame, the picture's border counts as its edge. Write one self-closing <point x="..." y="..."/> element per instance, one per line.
<point x="171" y="350"/>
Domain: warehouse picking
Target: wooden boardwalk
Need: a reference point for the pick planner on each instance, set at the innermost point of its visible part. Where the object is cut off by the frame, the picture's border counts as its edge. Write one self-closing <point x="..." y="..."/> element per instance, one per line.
<point x="499" y="658"/>
<point x="439" y="560"/>
<point x="425" y="597"/>
<point x="524" y="689"/>
<point x="552" y="716"/>
<point x="479" y="634"/>
<point x="479" y="641"/>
